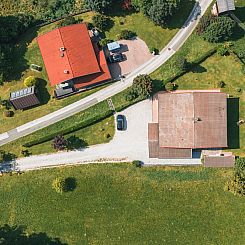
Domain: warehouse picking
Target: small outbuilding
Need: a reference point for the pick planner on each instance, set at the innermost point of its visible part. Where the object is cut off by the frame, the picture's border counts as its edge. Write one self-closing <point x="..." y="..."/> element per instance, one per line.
<point x="223" y="6"/>
<point x="113" y="47"/>
<point x="24" y="98"/>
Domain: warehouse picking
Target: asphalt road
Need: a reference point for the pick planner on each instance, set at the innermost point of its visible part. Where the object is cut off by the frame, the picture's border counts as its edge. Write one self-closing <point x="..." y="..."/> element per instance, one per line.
<point x="117" y="87"/>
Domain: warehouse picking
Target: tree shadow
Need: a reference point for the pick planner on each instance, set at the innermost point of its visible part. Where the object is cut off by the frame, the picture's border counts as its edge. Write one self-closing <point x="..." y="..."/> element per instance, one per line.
<point x="197" y="68"/>
<point x="239" y="12"/>
<point x="157" y="85"/>
<point x="16" y="235"/>
<point x="232" y="119"/>
<point x="237" y="34"/>
<point x="71" y="184"/>
<point x="179" y="18"/>
<point x="43" y="94"/>
<point x="20" y="64"/>
<point x="75" y="142"/>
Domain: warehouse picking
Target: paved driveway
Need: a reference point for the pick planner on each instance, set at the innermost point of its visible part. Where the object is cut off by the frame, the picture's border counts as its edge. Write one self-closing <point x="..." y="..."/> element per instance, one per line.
<point x="128" y="145"/>
<point x="136" y="53"/>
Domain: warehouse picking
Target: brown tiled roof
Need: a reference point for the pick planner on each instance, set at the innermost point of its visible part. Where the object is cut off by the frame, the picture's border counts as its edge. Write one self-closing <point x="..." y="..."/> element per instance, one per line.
<point x="159" y="152"/>
<point x="219" y="161"/>
<point x="192" y="120"/>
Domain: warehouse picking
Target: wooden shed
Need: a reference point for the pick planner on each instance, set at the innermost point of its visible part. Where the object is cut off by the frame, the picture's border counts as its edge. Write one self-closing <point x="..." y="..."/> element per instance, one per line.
<point x="24" y="98"/>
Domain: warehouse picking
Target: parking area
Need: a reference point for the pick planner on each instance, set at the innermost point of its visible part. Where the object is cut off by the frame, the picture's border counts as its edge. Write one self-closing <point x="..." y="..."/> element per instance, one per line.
<point x="135" y="52"/>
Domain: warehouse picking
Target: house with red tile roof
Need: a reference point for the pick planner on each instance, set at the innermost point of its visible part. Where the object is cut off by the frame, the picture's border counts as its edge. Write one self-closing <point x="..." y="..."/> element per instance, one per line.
<point x="70" y="55"/>
<point x="188" y="120"/>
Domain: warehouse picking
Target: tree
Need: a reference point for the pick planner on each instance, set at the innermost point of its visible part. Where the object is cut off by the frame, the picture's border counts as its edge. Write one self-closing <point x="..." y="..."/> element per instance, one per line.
<point x="220" y="29"/>
<point x="237" y="184"/>
<point x="100" y="6"/>
<point x="16" y="235"/>
<point x="127" y="34"/>
<point x="142" y="86"/>
<point x="59" y="185"/>
<point x="70" y="20"/>
<point x="180" y="63"/>
<point x="59" y="143"/>
<point x="101" y="21"/>
<point x="161" y="10"/>
<point x="31" y="81"/>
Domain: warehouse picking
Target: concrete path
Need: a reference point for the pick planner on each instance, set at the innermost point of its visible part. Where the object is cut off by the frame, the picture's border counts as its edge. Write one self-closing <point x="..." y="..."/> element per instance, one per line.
<point x="101" y="95"/>
<point x="128" y="145"/>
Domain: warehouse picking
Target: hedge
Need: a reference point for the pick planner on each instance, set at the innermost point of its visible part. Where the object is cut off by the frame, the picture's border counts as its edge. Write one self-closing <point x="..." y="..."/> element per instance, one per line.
<point x="192" y="64"/>
<point x="83" y="124"/>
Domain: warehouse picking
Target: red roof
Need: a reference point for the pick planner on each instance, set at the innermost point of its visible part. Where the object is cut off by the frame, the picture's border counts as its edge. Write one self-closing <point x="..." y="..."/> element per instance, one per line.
<point x="79" y="57"/>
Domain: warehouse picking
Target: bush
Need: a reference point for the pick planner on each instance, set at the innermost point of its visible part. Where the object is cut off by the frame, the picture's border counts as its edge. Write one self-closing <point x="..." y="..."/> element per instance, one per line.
<point x="154" y="51"/>
<point x="105" y="41"/>
<point x="127" y="34"/>
<point x="137" y="163"/>
<point x="222" y="51"/>
<point x="8" y="113"/>
<point x="221" y="84"/>
<point x="101" y="21"/>
<point x="180" y="63"/>
<point x="59" y="143"/>
<point x="59" y="185"/>
<point x="131" y="95"/>
<point x="169" y="87"/>
<point x="31" y="81"/>
<point x="142" y="86"/>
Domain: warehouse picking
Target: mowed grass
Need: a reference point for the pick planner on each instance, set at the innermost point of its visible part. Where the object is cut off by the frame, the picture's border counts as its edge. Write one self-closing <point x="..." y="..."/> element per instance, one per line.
<point x="207" y="75"/>
<point x="121" y="204"/>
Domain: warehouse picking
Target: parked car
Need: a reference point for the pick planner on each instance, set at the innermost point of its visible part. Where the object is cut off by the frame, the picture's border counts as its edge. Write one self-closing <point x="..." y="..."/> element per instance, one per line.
<point x="121" y="122"/>
<point x="118" y="57"/>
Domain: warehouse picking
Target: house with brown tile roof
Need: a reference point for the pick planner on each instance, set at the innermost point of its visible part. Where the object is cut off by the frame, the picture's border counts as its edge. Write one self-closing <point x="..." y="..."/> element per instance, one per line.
<point x="187" y="120"/>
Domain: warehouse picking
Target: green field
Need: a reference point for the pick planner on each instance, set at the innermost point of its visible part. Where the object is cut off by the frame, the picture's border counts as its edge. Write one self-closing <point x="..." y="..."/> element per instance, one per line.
<point x="121" y="204"/>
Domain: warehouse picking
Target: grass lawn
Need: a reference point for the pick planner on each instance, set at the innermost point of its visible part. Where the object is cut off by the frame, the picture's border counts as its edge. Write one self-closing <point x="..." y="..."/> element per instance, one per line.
<point x="98" y="133"/>
<point x="121" y="204"/>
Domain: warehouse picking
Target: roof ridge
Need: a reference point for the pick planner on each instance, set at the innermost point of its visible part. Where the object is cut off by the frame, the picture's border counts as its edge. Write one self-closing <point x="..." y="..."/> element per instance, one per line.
<point x="66" y="52"/>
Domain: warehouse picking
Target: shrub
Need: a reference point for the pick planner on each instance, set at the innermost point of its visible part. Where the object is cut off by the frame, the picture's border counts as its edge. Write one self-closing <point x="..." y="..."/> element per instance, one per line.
<point x="101" y="21"/>
<point x="222" y="51"/>
<point x="31" y="81"/>
<point x="142" y="86"/>
<point x="105" y="41"/>
<point x="137" y="163"/>
<point x="59" y="143"/>
<point x="169" y="86"/>
<point x="8" y="113"/>
<point x="2" y="156"/>
<point x="154" y="51"/>
<point x="127" y="34"/>
<point x="240" y="167"/>
<point x="131" y="95"/>
<point x="59" y="185"/>
<point x="221" y="84"/>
